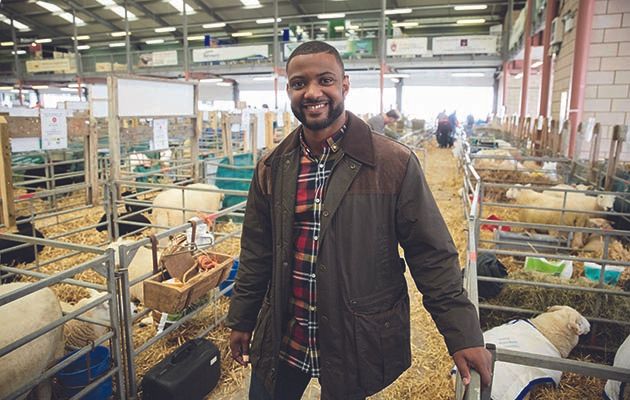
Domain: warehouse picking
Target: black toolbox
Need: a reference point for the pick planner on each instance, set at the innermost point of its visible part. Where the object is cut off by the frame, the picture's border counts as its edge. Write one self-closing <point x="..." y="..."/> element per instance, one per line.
<point x="190" y="372"/>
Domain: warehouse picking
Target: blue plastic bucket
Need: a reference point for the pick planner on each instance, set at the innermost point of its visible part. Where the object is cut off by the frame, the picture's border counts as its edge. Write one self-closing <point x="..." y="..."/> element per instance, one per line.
<point x="78" y="375"/>
<point x="230" y="278"/>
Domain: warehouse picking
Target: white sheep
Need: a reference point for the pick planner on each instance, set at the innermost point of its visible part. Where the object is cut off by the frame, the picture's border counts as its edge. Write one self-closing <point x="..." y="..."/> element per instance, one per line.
<point x="614" y="389"/>
<point x="80" y="333"/>
<point x="553" y="333"/>
<point x="141" y="264"/>
<point x="207" y="200"/>
<point x="20" y="318"/>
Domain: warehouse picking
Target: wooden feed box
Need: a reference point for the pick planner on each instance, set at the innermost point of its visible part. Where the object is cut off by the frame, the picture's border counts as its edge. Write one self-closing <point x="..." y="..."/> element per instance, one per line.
<point x="173" y="299"/>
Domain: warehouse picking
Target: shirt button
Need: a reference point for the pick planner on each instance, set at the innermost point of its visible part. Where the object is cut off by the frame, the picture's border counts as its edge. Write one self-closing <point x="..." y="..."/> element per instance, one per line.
<point x="317" y="200"/>
<point x="285" y="264"/>
<point x="315" y="238"/>
<point x="312" y="308"/>
<point x="352" y="166"/>
<point x="313" y="275"/>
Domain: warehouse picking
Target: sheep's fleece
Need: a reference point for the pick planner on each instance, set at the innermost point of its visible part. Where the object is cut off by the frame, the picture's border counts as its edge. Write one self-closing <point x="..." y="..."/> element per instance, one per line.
<point x="612" y="390"/>
<point x="513" y="381"/>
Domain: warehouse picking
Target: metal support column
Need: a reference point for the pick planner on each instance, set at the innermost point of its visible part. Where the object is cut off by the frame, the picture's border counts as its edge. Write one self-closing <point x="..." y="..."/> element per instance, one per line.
<point x="276" y="53"/>
<point x="527" y="59"/>
<point x="545" y="84"/>
<point x="381" y="52"/>
<point x="186" y="60"/>
<point x="399" y="89"/>
<point x="584" y="22"/>
<point x="127" y="40"/>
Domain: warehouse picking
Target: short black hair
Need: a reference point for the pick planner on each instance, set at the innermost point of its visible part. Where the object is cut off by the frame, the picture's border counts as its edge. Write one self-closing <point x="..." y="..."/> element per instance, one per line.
<point x="315" y="47"/>
<point x="393" y="114"/>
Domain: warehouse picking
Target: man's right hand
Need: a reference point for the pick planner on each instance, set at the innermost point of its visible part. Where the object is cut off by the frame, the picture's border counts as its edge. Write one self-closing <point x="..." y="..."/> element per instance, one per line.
<point x="239" y="346"/>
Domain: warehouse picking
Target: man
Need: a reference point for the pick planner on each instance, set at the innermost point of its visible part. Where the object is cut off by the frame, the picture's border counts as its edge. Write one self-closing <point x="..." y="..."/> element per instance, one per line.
<point x="320" y="281"/>
<point x="379" y="121"/>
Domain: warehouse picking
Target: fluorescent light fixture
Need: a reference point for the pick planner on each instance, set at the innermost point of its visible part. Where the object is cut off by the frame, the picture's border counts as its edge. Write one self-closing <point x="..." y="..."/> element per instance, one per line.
<point x="199" y="37"/>
<point x="339" y="28"/>
<point x="224" y="84"/>
<point x="395" y="75"/>
<point x="518" y="76"/>
<point x="471" y="21"/>
<point x="467" y="74"/>
<point x="68" y="17"/>
<point x="179" y="5"/>
<point x="213" y="25"/>
<point x="46" y="40"/>
<point x="5" y="44"/>
<point x="470" y="7"/>
<point x="398" y="11"/>
<point x="266" y="20"/>
<point x="252" y="7"/>
<point x="73" y="85"/>
<point x="39" y="87"/>
<point x="82" y="37"/>
<point x="19" y="26"/>
<point x="65" y="89"/>
<point x="249" y="3"/>
<point x="211" y="80"/>
<point x="118" y="10"/>
<point x="323" y="29"/>
<point x="6" y="87"/>
<point x="242" y="34"/>
<point x="19" y="52"/>
<point x="18" y="90"/>
<point x="395" y="80"/>
<point x="537" y="64"/>
<point x="154" y="41"/>
<point x="165" y="29"/>
<point x="119" y="34"/>
<point x="264" y="78"/>
<point x="56" y="10"/>
<point x="331" y="15"/>
<point x="405" y="24"/>
<point x="49" y="6"/>
<point x="117" y="44"/>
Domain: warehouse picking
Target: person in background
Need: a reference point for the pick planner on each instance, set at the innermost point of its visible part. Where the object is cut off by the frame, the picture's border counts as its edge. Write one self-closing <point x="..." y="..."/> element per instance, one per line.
<point x="452" y="120"/>
<point x="470" y="122"/>
<point x="380" y="121"/>
<point x="320" y="282"/>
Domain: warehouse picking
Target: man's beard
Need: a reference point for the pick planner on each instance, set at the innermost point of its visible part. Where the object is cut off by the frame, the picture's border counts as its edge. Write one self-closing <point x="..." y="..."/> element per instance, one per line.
<point x="333" y="114"/>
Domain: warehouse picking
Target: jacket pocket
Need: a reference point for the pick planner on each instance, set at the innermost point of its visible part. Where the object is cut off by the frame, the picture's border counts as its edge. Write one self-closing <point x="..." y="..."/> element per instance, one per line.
<point x="262" y="335"/>
<point x="382" y="341"/>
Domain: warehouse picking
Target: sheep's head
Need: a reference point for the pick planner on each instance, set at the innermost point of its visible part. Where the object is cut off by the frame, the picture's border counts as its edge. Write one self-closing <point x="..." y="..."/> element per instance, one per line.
<point x="512" y="193"/>
<point x="562" y="325"/>
<point x="605" y="201"/>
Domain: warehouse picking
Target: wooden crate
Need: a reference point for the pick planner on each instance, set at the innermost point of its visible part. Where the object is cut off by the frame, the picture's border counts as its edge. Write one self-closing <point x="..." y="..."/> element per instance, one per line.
<point x="173" y="299"/>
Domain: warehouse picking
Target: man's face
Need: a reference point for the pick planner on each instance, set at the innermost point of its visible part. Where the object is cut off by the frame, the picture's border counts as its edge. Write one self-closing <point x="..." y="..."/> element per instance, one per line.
<point x="317" y="89"/>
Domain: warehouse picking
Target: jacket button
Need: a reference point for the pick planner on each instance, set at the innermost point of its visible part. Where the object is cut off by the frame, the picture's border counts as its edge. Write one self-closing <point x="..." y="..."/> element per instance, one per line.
<point x="287" y="162"/>
<point x="322" y="268"/>
<point x="285" y="264"/>
<point x="353" y="302"/>
<point x="325" y="213"/>
<point x="387" y="325"/>
<point x="352" y="166"/>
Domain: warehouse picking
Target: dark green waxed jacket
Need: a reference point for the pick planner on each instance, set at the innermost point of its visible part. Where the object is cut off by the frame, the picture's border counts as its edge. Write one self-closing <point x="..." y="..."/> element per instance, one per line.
<point x="377" y="198"/>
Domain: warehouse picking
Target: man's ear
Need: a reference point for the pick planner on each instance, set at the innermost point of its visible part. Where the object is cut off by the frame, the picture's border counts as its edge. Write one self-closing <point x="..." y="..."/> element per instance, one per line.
<point x="287" y="88"/>
<point x="345" y="85"/>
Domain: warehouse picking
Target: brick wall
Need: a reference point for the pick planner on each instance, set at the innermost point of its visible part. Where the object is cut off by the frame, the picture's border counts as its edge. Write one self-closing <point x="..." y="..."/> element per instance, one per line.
<point x="513" y="104"/>
<point x="607" y="92"/>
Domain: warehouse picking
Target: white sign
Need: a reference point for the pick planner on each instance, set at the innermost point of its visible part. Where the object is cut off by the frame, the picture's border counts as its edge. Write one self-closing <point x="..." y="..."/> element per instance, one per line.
<point x="54" y="129"/>
<point x="230" y="53"/>
<point x="160" y="134"/>
<point x="407" y="46"/>
<point x="24" y="144"/>
<point x="465" y="44"/>
<point x="54" y="65"/>
<point x="158" y="58"/>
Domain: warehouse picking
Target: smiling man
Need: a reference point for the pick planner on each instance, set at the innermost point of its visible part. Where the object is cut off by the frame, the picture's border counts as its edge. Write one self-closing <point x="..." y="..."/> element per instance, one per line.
<point x="320" y="281"/>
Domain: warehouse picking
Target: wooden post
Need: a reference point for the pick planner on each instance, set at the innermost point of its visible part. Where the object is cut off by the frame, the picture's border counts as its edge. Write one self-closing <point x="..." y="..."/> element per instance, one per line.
<point x="194" y="142"/>
<point x="269" y="134"/>
<point x="91" y="158"/>
<point x="619" y="136"/>
<point x="253" y="131"/>
<point x="6" y="176"/>
<point x="543" y="137"/>
<point x="595" y="154"/>
<point x="286" y="126"/>
<point x="113" y="127"/>
<point x="226" y="130"/>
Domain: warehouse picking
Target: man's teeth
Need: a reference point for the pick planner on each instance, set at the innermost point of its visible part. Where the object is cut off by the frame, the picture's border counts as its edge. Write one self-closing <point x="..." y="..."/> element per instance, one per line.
<point x="315" y="106"/>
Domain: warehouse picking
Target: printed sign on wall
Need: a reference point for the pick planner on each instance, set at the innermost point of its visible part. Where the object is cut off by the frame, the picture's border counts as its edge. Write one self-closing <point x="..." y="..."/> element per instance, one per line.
<point x="54" y="128"/>
<point x="482" y="44"/>
<point x="230" y="53"/>
<point x="416" y="46"/>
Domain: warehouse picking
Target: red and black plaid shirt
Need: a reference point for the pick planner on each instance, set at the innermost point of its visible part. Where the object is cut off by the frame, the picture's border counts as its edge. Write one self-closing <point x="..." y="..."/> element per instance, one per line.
<point x="299" y="347"/>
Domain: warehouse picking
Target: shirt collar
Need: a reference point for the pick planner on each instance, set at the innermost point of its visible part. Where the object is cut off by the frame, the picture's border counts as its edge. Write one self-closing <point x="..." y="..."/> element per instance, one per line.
<point x="332" y="142"/>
